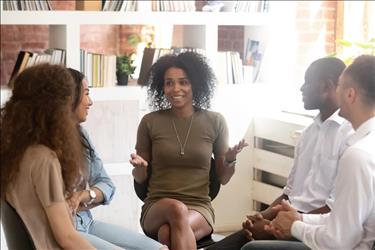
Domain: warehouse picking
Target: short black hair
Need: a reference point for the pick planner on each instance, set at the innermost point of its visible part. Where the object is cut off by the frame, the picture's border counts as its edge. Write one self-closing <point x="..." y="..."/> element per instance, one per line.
<point x="362" y="71"/>
<point x="328" y="68"/>
<point x="198" y="71"/>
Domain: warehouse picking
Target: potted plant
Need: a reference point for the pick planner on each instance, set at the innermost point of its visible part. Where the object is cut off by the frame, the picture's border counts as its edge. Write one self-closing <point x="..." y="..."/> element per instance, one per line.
<point x="124" y="69"/>
<point x="354" y="49"/>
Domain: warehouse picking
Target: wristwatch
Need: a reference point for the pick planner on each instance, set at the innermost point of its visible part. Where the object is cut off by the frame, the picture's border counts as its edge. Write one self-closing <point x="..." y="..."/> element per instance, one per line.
<point x="92" y="195"/>
<point x="230" y="164"/>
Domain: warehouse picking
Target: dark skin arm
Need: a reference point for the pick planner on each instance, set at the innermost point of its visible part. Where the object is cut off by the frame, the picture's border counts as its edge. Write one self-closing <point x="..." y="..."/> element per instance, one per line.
<point x="140" y="163"/>
<point x="321" y="210"/>
<point x="254" y="225"/>
<point x="270" y="213"/>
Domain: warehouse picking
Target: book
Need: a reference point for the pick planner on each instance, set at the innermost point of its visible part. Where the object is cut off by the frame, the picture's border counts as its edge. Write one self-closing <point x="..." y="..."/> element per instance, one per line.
<point x="253" y="56"/>
<point x="92" y="5"/>
<point x="147" y="61"/>
<point x="20" y="61"/>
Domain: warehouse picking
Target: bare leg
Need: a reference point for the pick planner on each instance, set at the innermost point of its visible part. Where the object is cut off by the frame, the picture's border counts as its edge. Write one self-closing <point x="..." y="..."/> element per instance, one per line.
<point x="176" y="214"/>
<point x="198" y="223"/>
<point x="164" y="235"/>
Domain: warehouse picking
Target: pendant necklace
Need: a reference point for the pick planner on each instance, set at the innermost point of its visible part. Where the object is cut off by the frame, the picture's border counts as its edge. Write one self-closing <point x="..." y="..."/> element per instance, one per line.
<point x="182" y="147"/>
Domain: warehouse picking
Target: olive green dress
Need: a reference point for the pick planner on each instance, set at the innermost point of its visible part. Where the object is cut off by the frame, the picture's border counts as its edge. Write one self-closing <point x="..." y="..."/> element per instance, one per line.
<point x="182" y="177"/>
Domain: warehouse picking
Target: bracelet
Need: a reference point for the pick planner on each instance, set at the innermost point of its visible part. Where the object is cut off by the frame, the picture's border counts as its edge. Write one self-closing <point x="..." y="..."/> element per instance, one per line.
<point x="230" y="164"/>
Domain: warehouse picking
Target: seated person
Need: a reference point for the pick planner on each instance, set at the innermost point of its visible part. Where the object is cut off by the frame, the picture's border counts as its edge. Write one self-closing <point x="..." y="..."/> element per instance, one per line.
<point x="100" y="188"/>
<point x="351" y="222"/>
<point x="310" y="183"/>
<point x="178" y="140"/>
<point x="41" y="155"/>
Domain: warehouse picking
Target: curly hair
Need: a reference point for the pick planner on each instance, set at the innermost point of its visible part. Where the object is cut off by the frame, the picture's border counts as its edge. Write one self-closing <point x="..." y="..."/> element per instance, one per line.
<point x="198" y="71"/>
<point x="40" y="112"/>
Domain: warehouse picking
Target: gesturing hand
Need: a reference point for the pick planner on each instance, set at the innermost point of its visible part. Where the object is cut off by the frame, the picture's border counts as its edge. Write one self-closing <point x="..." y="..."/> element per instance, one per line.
<point x="137" y="161"/>
<point x="232" y="152"/>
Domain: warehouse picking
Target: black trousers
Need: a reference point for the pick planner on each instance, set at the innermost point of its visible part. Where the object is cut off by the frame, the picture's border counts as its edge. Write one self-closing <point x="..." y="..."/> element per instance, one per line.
<point x="232" y="242"/>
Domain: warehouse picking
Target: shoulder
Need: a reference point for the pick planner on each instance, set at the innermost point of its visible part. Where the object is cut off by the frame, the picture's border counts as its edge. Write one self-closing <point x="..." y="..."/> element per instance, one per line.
<point x="364" y="147"/>
<point x="155" y="115"/>
<point x="361" y="155"/>
<point x="211" y="115"/>
<point x="39" y="157"/>
<point x="40" y="152"/>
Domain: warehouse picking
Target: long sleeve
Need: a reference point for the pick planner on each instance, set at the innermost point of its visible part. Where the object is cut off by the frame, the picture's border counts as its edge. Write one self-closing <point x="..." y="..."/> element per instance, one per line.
<point x="100" y="179"/>
<point x="343" y="228"/>
<point x="289" y="184"/>
<point x="98" y="175"/>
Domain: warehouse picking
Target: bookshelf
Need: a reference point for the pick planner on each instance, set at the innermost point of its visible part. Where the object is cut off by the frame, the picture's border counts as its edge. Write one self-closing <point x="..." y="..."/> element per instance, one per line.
<point x="65" y="25"/>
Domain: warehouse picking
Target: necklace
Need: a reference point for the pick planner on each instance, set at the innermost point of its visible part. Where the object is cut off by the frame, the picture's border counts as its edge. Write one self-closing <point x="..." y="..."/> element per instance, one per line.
<point x="182" y="147"/>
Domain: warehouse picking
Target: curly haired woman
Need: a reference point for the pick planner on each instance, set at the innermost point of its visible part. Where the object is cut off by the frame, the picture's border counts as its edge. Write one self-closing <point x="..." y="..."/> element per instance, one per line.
<point x="41" y="155"/>
<point x="178" y="139"/>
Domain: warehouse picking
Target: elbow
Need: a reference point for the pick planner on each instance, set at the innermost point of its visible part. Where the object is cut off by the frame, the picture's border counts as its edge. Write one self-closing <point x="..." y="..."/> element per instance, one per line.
<point x="67" y="240"/>
<point x="225" y="177"/>
<point x="224" y="181"/>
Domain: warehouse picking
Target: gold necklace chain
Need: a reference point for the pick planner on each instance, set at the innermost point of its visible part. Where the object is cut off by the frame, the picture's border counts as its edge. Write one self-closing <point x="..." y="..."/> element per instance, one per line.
<point x="182" y="147"/>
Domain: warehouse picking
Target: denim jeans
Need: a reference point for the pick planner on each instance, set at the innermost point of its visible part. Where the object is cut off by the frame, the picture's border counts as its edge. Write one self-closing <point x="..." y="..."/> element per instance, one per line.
<point x="108" y="236"/>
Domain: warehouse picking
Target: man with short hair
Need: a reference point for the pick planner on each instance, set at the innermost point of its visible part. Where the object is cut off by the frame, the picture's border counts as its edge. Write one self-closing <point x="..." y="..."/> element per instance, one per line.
<point x="310" y="183"/>
<point x="351" y="222"/>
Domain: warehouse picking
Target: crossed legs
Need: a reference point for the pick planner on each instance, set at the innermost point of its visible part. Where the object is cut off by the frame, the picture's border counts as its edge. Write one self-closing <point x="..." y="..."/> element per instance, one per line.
<point x="170" y="221"/>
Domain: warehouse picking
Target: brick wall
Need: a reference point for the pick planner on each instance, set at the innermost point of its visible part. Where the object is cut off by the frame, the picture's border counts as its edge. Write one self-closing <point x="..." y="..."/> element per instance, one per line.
<point x="63" y="4"/>
<point x="20" y="37"/>
<point x="231" y="38"/>
<point x="315" y="27"/>
<point x="101" y="39"/>
<point x="25" y="37"/>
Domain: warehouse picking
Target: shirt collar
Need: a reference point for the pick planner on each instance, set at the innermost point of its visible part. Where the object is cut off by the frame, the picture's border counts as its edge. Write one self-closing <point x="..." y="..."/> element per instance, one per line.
<point x="334" y="117"/>
<point x="363" y="130"/>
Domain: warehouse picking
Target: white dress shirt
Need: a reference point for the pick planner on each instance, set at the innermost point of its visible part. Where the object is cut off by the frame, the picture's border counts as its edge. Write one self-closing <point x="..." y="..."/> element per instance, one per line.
<point x="351" y="222"/>
<point x="310" y="182"/>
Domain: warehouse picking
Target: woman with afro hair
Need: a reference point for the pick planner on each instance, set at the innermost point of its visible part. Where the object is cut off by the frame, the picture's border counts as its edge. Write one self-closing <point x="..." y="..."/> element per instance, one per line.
<point x="178" y="139"/>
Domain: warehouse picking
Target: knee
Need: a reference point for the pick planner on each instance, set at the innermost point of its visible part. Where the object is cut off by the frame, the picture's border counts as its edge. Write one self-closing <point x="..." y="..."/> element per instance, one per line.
<point x="177" y="211"/>
<point x="164" y="234"/>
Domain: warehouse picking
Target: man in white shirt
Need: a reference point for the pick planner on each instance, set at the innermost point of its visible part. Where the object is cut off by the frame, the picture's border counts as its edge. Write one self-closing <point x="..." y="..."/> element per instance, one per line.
<point x="351" y="222"/>
<point x="310" y="183"/>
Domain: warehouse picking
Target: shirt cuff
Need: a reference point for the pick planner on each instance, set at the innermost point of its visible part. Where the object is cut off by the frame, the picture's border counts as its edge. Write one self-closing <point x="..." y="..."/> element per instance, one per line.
<point x="329" y="203"/>
<point x="313" y="219"/>
<point x="286" y="190"/>
<point x="297" y="229"/>
<point x="107" y="191"/>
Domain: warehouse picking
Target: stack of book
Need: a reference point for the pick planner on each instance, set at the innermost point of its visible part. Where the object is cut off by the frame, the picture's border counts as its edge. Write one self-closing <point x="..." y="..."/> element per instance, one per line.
<point x="26" y="5"/>
<point x="146" y="5"/>
<point x="27" y="59"/>
<point x="230" y="70"/>
<point x="252" y="6"/>
<point x="99" y="69"/>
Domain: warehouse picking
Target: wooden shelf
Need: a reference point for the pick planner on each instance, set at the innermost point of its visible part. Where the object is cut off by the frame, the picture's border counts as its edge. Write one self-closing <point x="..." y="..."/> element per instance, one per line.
<point x="110" y="17"/>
